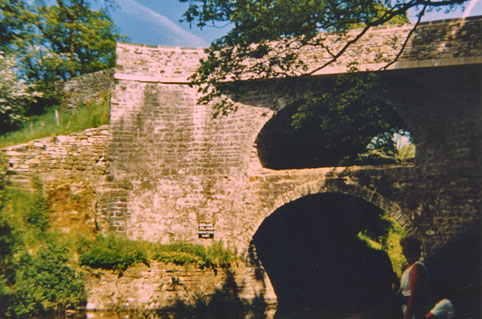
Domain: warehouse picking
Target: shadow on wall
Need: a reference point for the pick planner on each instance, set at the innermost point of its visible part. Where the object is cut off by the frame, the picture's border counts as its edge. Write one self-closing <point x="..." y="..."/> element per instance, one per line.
<point x="225" y="303"/>
<point x="455" y="272"/>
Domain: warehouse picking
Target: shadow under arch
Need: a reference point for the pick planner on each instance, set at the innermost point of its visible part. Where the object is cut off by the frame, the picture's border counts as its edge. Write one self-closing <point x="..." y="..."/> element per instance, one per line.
<point x="334" y="181"/>
<point x="282" y="146"/>
<point x="318" y="266"/>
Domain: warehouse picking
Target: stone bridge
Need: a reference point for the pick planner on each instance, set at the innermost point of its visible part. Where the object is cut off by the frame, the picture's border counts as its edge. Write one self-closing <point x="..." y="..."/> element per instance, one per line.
<point x="180" y="174"/>
<point x="166" y="170"/>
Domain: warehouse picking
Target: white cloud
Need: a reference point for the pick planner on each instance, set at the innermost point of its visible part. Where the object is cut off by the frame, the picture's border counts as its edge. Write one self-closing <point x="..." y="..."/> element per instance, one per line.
<point x="156" y="23"/>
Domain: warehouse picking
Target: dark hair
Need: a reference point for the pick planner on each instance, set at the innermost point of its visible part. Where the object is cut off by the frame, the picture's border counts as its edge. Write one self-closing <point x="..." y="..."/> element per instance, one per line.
<point x="412" y="243"/>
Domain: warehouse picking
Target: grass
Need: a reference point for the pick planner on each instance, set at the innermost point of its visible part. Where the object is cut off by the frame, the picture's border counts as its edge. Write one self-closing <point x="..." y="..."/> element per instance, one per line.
<point x="60" y="122"/>
<point x="118" y="253"/>
<point x="182" y="253"/>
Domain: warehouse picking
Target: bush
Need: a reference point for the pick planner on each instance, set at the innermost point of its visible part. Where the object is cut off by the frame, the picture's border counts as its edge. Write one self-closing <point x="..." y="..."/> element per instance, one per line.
<point x="26" y="214"/>
<point x="177" y="258"/>
<point x="219" y="256"/>
<point x="7" y="240"/>
<point x="112" y="252"/>
<point x="5" y="297"/>
<point x="118" y="253"/>
<point x="183" y="253"/>
<point x="36" y="275"/>
<point x="37" y="214"/>
<point x="15" y="95"/>
<point x="45" y="284"/>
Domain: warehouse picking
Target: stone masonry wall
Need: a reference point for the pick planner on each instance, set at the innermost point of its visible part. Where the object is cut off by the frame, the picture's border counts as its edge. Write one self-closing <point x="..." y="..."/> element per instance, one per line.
<point x="69" y="169"/>
<point x="161" y="285"/>
<point x="181" y="164"/>
<point x="72" y="170"/>
<point x="442" y="108"/>
<point x="434" y="43"/>
<point x="87" y="88"/>
<point x="180" y="168"/>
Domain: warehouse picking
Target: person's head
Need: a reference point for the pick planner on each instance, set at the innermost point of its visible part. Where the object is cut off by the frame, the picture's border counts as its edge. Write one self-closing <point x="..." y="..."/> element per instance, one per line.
<point x="411" y="247"/>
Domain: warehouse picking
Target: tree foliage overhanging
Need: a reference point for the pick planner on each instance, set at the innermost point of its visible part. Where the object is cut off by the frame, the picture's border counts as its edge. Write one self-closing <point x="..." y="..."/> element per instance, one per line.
<point x="50" y="41"/>
<point x="275" y="31"/>
<point x="265" y="43"/>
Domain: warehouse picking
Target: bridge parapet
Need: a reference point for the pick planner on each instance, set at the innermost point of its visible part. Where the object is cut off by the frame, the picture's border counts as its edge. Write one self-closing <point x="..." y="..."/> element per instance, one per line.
<point x="435" y="43"/>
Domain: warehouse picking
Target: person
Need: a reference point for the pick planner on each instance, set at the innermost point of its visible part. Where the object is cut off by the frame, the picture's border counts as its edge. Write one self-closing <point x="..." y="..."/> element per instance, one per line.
<point x="414" y="282"/>
<point x="444" y="309"/>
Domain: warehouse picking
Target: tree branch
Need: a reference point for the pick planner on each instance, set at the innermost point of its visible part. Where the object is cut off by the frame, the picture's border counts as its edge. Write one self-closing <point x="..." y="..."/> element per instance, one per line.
<point x="340" y="53"/>
<point x="407" y="38"/>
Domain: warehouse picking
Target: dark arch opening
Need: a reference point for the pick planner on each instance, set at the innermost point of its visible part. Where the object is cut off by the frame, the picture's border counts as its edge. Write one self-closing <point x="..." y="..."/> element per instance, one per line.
<point x="318" y="266"/>
<point x="281" y="145"/>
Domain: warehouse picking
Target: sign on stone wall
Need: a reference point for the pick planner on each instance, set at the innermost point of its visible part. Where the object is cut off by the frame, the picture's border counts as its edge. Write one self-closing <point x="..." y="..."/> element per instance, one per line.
<point x="206" y="230"/>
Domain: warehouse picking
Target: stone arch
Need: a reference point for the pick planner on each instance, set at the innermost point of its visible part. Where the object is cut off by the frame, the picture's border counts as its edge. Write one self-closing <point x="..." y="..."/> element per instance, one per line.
<point x="299" y="238"/>
<point x="319" y="187"/>
<point x="281" y="146"/>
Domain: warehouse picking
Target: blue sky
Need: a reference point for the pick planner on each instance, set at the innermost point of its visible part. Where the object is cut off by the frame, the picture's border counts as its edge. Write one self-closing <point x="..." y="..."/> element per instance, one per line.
<point x="156" y="22"/>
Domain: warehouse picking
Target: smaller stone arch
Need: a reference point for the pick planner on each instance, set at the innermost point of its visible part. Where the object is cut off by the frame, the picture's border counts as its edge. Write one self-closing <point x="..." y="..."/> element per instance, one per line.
<point x="282" y="146"/>
<point x="327" y="186"/>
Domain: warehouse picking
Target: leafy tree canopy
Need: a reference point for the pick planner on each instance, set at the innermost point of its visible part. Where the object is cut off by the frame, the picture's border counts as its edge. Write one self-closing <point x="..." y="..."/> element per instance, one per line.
<point x="264" y="43"/>
<point x="275" y="30"/>
<point x="54" y="41"/>
<point x="15" y="95"/>
<point x="13" y="29"/>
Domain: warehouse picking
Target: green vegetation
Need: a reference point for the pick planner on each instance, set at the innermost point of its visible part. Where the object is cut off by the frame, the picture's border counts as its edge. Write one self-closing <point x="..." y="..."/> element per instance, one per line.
<point x="45" y="282"/>
<point x="43" y="43"/>
<point x="37" y="273"/>
<point x="111" y="252"/>
<point x="60" y="122"/>
<point x="118" y="253"/>
<point x="26" y="213"/>
<point x="397" y="148"/>
<point x="15" y="95"/>
<point x="183" y="253"/>
<point x="385" y="235"/>
<point x="247" y="52"/>
<point x="345" y="116"/>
